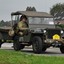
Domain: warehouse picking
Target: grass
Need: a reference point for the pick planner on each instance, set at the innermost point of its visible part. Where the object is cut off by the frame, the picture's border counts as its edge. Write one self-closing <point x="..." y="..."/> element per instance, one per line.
<point x="13" y="57"/>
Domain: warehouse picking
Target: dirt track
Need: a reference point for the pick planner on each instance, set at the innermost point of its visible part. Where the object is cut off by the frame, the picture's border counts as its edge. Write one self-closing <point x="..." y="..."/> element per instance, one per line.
<point x="28" y="50"/>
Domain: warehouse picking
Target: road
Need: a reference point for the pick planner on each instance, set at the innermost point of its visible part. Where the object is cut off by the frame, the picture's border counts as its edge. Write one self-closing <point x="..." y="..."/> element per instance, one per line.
<point x="28" y="50"/>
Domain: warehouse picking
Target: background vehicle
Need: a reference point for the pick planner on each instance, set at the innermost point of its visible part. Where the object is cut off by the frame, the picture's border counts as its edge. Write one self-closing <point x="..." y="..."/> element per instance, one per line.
<point x="41" y="33"/>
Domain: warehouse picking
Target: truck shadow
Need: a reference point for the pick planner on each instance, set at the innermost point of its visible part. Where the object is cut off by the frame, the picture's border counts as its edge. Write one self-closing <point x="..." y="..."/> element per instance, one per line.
<point x="30" y="51"/>
<point x="46" y="52"/>
<point x="49" y="51"/>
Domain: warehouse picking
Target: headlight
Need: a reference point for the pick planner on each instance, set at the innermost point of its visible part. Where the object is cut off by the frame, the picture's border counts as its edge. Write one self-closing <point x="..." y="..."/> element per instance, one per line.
<point x="62" y="32"/>
<point x="44" y="31"/>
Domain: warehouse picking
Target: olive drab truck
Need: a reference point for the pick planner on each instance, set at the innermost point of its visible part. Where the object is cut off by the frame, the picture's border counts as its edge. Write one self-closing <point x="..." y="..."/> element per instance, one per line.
<point x="41" y="32"/>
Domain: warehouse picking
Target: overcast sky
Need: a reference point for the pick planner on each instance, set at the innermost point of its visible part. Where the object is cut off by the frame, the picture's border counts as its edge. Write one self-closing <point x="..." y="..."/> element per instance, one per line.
<point x="8" y="6"/>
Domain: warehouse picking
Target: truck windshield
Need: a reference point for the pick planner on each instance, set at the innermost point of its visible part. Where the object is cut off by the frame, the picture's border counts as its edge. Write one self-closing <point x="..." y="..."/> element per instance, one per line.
<point x="33" y="20"/>
<point x="41" y="21"/>
<point x="15" y="19"/>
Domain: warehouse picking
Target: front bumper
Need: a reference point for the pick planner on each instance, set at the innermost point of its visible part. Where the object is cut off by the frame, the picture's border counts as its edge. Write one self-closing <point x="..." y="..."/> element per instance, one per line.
<point x="54" y="43"/>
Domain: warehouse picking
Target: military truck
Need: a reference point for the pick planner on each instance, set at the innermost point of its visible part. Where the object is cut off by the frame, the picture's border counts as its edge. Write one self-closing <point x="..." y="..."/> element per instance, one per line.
<point x="41" y="32"/>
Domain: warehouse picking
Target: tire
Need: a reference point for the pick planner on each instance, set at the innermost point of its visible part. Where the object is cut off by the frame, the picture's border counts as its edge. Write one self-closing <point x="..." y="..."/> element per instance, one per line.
<point x="44" y="49"/>
<point x="17" y="46"/>
<point x="0" y="45"/>
<point x="1" y="37"/>
<point x="62" y="49"/>
<point x="37" y="44"/>
<point x="22" y="46"/>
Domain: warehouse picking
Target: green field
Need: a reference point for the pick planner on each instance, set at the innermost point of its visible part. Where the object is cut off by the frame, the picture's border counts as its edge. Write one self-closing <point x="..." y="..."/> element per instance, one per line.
<point x="13" y="57"/>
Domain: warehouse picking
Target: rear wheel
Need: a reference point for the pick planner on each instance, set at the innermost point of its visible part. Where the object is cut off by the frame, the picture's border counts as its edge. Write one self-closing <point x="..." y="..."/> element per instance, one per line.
<point x="44" y="49"/>
<point x="17" y="46"/>
<point x="62" y="49"/>
<point x="0" y="45"/>
<point x="37" y="44"/>
<point x="22" y="46"/>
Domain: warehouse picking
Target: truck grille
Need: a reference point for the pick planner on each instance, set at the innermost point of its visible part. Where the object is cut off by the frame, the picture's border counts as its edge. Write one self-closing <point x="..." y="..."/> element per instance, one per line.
<point x="52" y="32"/>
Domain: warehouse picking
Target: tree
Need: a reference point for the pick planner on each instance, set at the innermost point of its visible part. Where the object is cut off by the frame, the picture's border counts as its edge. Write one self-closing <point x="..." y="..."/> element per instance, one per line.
<point x="2" y="23"/>
<point x="56" y="9"/>
<point x="33" y="9"/>
<point x="30" y="9"/>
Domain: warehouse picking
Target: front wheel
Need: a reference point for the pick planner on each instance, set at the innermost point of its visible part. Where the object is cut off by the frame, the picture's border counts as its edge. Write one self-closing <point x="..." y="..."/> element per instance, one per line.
<point x="37" y="44"/>
<point x="62" y="49"/>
